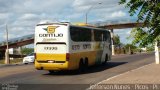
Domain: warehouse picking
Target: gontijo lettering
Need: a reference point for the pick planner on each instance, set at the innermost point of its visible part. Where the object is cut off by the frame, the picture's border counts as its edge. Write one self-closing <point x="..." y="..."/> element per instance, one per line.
<point x="51" y="35"/>
<point x="50" y="30"/>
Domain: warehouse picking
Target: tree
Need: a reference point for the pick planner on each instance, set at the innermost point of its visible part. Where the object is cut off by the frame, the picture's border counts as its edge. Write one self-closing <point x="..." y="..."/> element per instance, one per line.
<point x="116" y="40"/>
<point x="117" y="44"/>
<point x="131" y="46"/>
<point x="137" y="35"/>
<point x="27" y="50"/>
<point x="149" y="13"/>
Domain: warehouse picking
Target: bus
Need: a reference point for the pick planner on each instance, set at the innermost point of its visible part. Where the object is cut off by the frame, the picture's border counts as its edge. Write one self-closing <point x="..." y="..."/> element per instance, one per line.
<point x="63" y="46"/>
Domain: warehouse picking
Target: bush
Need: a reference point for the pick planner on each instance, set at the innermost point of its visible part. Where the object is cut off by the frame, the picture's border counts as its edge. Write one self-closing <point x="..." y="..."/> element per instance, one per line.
<point x="27" y="50"/>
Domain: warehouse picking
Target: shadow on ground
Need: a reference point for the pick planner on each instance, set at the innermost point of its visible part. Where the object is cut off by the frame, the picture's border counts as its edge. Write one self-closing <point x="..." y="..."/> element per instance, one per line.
<point x="92" y="69"/>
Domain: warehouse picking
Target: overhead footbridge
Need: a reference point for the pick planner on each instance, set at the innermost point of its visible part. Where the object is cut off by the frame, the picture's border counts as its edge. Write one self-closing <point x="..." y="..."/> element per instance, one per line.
<point x="29" y="39"/>
<point x="17" y="42"/>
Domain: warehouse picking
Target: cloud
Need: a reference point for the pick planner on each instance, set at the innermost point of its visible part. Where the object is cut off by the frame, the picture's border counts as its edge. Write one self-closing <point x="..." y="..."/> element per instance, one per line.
<point x="107" y="10"/>
<point x="32" y="6"/>
<point x="22" y="15"/>
<point x="29" y="16"/>
<point x="4" y="15"/>
<point x="10" y="36"/>
<point x="118" y="14"/>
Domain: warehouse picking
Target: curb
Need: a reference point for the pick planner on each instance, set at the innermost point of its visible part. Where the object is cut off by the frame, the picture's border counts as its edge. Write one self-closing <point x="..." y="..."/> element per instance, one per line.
<point x="5" y="65"/>
<point x="92" y="86"/>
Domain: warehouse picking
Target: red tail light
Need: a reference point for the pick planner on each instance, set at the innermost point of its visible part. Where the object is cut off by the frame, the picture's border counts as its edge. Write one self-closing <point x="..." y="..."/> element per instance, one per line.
<point x="35" y="55"/>
<point x="67" y="56"/>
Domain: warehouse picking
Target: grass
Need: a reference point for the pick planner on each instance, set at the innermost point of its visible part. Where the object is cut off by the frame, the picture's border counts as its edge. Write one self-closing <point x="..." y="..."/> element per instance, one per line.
<point x="14" y="61"/>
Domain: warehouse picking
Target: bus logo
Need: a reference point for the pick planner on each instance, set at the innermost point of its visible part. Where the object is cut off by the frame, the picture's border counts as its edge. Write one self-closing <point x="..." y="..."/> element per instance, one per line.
<point x="51" y="29"/>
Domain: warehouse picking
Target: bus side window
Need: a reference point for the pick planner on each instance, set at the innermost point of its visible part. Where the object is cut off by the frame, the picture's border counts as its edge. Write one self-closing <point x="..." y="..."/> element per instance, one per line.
<point x="74" y="32"/>
<point x="98" y="35"/>
<point x="104" y="35"/>
<point x="109" y="37"/>
<point x="79" y="34"/>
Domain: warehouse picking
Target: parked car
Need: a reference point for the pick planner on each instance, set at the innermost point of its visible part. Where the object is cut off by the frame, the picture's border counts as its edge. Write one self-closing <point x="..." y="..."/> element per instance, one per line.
<point x="29" y="58"/>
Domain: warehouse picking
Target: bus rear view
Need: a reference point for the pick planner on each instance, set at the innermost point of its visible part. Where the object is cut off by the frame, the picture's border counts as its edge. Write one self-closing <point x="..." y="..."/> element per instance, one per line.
<point x="51" y="51"/>
<point x="62" y="46"/>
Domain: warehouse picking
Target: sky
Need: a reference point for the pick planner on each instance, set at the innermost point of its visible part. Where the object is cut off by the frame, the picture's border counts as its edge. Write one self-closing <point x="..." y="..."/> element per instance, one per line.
<point x="21" y="16"/>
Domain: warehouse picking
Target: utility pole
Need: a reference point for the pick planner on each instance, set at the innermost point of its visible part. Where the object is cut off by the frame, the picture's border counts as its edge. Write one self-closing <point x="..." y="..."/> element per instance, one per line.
<point x="156" y="52"/>
<point x="113" y="46"/>
<point x="7" y="51"/>
<point x="129" y="50"/>
<point x="86" y="15"/>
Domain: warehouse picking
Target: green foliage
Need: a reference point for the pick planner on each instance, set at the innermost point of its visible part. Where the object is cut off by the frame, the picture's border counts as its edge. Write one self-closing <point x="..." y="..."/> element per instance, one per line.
<point x="150" y="48"/>
<point x="139" y="35"/>
<point x="116" y="39"/>
<point x="131" y="46"/>
<point x="12" y="61"/>
<point x="149" y="13"/>
<point x="27" y="50"/>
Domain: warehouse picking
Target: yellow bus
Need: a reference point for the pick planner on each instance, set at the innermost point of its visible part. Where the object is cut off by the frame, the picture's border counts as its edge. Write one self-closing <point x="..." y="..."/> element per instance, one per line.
<point x="62" y="46"/>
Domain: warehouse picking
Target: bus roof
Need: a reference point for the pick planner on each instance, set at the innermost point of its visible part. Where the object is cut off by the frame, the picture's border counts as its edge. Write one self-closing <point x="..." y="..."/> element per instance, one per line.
<point x="90" y="27"/>
<point x="62" y="23"/>
<point x="67" y="23"/>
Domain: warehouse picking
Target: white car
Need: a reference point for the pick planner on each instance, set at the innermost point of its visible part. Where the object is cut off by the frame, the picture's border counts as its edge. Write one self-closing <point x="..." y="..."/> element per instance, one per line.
<point x="29" y="58"/>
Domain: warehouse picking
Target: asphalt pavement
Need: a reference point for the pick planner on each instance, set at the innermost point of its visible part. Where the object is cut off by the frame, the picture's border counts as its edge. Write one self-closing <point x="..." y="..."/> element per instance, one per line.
<point x="27" y="76"/>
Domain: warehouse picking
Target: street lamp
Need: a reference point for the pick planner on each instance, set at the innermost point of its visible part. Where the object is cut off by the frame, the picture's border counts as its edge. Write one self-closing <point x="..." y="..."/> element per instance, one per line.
<point x="7" y="51"/>
<point x="89" y="11"/>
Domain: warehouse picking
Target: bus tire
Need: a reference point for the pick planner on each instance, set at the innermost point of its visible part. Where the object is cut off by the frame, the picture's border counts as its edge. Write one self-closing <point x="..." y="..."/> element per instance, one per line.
<point x="51" y="71"/>
<point x="86" y="63"/>
<point x="81" y="66"/>
<point x="106" y="59"/>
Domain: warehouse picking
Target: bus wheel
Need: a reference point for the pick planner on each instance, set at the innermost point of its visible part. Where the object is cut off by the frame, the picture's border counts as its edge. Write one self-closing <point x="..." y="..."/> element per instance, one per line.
<point x="51" y="71"/>
<point x="106" y="59"/>
<point x="81" y="66"/>
<point x="86" y="63"/>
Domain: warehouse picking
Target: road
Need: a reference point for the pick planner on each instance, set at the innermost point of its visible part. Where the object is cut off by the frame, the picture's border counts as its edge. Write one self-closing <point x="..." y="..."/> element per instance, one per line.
<point x="28" y="78"/>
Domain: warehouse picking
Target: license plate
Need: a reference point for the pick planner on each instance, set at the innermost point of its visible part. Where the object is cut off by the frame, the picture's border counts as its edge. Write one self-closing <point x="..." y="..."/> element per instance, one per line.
<point x="51" y="61"/>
